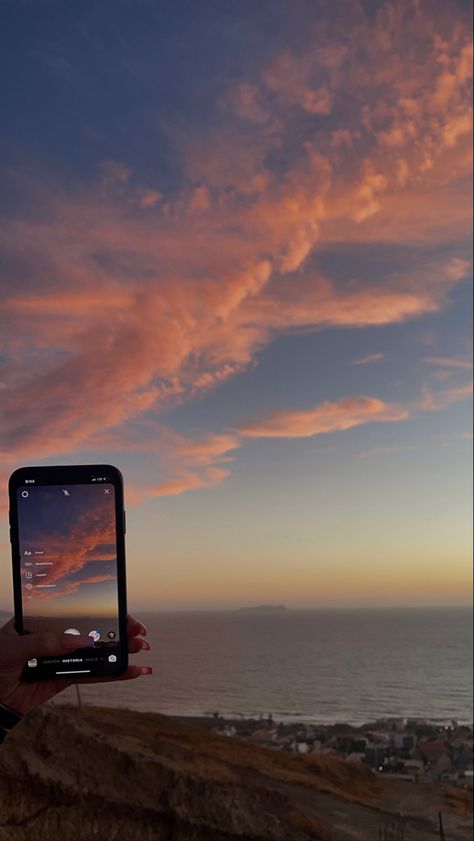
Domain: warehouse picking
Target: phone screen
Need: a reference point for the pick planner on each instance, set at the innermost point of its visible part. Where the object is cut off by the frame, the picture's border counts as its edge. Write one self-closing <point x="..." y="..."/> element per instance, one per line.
<point x="68" y="570"/>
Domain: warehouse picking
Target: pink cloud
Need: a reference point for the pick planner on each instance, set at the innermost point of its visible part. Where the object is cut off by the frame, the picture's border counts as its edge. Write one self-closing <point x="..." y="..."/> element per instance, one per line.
<point x="132" y="302"/>
<point x="366" y="360"/>
<point x="67" y="588"/>
<point x="71" y="552"/>
<point x="114" y="173"/>
<point x="436" y="401"/>
<point x="149" y="198"/>
<point x="448" y="362"/>
<point x="328" y="417"/>
<point x="94" y="579"/>
<point x="195" y="464"/>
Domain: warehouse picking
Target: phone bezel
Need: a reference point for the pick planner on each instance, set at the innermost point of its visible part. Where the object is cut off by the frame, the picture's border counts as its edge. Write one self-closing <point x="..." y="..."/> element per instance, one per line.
<point x="76" y="474"/>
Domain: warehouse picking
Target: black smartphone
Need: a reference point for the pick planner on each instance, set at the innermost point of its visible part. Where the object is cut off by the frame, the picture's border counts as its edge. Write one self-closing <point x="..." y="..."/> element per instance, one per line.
<point x="67" y="531"/>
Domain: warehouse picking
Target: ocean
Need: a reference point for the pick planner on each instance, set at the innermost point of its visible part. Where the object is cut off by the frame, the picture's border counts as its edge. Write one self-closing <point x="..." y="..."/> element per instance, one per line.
<point x="303" y="665"/>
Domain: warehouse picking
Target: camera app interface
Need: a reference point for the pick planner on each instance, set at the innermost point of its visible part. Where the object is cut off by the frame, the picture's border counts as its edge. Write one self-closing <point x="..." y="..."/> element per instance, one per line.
<point x="68" y="561"/>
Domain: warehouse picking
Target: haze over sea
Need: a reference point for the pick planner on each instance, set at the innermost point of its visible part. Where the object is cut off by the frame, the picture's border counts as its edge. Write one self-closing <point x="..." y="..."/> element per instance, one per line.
<point x="351" y="665"/>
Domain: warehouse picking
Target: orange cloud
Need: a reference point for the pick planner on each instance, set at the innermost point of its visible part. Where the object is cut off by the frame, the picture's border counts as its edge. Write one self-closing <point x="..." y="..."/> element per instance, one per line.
<point x="130" y="302"/>
<point x="195" y="464"/>
<point x="187" y="480"/>
<point x="94" y="579"/>
<point x="66" y="588"/>
<point x="329" y="417"/>
<point x="70" y="552"/>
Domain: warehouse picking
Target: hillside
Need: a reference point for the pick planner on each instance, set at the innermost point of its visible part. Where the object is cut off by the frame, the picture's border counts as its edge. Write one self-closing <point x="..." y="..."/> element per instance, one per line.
<point x="117" y="774"/>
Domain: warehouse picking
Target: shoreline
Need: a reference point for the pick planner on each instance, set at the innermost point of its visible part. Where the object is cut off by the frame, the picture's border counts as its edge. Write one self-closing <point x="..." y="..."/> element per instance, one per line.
<point x="417" y="750"/>
<point x="310" y="721"/>
<point x="292" y="719"/>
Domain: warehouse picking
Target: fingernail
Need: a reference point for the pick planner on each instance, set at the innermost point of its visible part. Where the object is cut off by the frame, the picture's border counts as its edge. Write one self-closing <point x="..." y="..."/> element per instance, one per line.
<point x="143" y="630"/>
<point x="146" y="670"/>
<point x="73" y="641"/>
<point x="145" y="645"/>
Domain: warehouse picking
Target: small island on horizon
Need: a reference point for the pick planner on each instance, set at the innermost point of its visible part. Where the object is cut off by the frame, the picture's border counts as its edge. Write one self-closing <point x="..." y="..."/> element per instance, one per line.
<point x="264" y="608"/>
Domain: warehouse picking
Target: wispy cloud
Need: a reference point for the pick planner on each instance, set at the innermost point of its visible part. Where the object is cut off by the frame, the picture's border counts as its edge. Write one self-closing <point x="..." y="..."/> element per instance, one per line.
<point x="129" y="301"/>
<point x="366" y="360"/>
<point x="384" y="451"/>
<point x="433" y="401"/>
<point x="328" y="417"/>
<point x="449" y="362"/>
<point x="202" y="463"/>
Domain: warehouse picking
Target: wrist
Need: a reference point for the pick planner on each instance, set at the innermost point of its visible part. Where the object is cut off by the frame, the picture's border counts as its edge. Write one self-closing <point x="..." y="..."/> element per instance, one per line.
<point x="8" y="719"/>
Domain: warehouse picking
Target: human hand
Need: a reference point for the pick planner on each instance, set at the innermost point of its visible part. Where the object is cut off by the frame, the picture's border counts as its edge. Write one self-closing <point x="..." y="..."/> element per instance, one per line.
<point x="16" y="649"/>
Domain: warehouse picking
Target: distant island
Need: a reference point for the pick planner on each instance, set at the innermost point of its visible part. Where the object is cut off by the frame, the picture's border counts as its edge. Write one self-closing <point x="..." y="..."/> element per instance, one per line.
<point x="264" y="608"/>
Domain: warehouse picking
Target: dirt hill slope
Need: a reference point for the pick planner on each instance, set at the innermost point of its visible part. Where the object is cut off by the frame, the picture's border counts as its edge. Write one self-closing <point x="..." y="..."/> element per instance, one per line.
<point x="117" y="774"/>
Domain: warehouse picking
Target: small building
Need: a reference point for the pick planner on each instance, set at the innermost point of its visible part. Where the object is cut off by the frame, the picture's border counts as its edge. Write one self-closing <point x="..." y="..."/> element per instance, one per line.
<point x="397" y="740"/>
<point x="375" y="755"/>
<point x="442" y="765"/>
<point x="463" y="761"/>
<point x="431" y="749"/>
<point x="414" y="766"/>
<point x="358" y="758"/>
<point x="330" y="752"/>
<point x="448" y="776"/>
<point x="316" y="746"/>
<point x="227" y="730"/>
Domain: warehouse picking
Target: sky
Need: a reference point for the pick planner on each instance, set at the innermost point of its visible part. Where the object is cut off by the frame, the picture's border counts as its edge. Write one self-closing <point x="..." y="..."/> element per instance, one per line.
<point x="68" y="551"/>
<point x="237" y="264"/>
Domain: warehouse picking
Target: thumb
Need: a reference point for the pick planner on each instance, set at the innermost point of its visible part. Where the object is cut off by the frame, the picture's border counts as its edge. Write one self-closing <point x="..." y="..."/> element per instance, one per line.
<point x="46" y="643"/>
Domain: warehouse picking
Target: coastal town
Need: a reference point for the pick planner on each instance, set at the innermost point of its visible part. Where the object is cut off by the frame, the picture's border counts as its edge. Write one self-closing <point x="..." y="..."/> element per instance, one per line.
<point x="413" y="749"/>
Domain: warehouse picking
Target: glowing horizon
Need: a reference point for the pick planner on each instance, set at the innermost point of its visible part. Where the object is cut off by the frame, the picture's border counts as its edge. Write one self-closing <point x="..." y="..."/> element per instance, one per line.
<point x="249" y="288"/>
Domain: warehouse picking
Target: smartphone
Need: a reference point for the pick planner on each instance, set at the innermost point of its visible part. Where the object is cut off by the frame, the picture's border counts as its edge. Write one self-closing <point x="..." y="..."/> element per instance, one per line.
<point x="67" y="532"/>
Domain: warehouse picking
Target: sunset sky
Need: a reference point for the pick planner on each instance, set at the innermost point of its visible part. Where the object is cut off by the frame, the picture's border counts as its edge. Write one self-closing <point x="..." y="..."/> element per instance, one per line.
<point x="74" y="540"/>
<point x="236" y="263"/>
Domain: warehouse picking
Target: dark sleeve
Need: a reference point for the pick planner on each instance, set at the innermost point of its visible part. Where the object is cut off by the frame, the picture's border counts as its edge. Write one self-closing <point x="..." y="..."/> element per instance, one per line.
<point x="8" y="719"/>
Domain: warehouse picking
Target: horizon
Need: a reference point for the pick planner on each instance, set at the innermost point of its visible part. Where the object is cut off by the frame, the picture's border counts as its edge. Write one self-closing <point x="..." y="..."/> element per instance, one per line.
<point x="289" y="608"/>
<point x="237" y="264"/>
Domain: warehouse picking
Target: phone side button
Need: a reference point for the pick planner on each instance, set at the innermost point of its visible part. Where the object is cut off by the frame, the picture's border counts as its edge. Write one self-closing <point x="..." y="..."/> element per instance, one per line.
<point x="124" y="523"/>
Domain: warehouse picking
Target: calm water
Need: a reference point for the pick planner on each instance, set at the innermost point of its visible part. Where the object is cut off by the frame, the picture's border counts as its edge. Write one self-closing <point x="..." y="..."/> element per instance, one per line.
<point x="320" y="665"/>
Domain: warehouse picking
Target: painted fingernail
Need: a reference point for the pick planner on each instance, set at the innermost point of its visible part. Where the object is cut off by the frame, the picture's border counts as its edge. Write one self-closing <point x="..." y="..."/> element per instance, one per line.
<point x="145" y="645"/>
<point x="146" y="670"/>
<point x="143" y="630"/>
